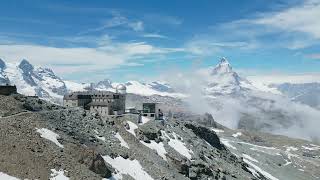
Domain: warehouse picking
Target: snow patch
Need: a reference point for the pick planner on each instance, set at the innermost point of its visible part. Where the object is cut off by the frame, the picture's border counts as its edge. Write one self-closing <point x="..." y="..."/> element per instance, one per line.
<point x="4" y="176"/>
<point x="249" y="158"/>
<point x="264" y="173"/>
<point x="314" y="148"/>
<point x="101" y="138"/>
<point x="132" y="127"/>
<point x="58" y="175"/>
<point x="144" y="119"/>
<point x="178" y="145"/>
<point x="122" y="141"/>
<point x="237" y="134"/>
<point x="217" y="130"/>
<point x="130" y="167"/>
<point x="49" y="135"/>
<point x="254" y="172"/>
<point x="288" y="152"/>
<point x="159" y="147"/>
<point x="227" y="143"/>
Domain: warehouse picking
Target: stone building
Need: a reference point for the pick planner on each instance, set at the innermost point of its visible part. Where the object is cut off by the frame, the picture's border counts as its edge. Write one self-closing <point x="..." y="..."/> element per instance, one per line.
<point x="102" y="102"/>
<point x="77" y="99"/>
<point x="7" y="90"/>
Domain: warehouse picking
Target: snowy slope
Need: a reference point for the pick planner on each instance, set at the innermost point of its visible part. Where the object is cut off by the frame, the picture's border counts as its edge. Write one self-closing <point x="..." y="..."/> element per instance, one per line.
<point x="154" y="88"/>
<point x="74" y="86"/>
<point x="35" y="81"/>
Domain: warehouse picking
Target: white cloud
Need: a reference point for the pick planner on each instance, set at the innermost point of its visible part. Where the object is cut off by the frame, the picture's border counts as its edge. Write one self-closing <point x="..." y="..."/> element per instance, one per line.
<point x="304" y="18"/>
<point x="210" y="45"/>
<point x="70" y="60"/>
<point x="276" y="78"/>
<point x="137" y="26"/>
<point x="154" y="35"/>
<point x="293" y="28"/>
<point x="117" y="20"/>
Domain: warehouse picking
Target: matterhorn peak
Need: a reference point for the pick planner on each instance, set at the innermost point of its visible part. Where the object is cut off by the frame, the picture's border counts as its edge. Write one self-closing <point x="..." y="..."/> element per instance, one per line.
<point x="223" y="67"/>
<point x="224" y="60"/>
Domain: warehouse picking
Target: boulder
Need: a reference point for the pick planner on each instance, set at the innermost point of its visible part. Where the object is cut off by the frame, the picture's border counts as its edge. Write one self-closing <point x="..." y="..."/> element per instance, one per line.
<point x="206" y="134"/>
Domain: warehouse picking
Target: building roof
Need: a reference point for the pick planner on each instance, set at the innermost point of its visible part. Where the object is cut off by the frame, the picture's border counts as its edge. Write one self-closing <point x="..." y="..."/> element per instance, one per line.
<point x="72" y="96"/>
<point x="92" y="94"/>
<point x="99" y="104"/>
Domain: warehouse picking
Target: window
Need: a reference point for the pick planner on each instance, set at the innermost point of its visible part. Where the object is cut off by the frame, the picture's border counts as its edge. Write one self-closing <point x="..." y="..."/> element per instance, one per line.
<point x="151" y="115"/>
<point x="149" y="108"/>
<point x="145" y="114"/>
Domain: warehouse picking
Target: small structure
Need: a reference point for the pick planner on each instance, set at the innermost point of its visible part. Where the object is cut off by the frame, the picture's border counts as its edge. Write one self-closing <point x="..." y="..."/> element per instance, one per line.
<point x="152" y="111"/>
<point x="132" y="110"/>
<point x="102" y="102"/>
<point x="8" y="90"/>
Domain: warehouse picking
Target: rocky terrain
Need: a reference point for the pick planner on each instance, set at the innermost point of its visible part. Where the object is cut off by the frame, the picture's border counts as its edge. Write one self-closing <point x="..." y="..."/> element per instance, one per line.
<point x="40" y="140"/>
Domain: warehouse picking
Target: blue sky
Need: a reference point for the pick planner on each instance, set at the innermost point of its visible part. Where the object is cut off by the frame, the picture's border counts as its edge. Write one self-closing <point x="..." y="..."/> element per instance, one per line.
<point x="141" y="40"/>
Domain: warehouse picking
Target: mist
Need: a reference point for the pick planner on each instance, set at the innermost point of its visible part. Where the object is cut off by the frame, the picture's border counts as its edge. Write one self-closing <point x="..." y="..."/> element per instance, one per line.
<point x="269" y="112"/>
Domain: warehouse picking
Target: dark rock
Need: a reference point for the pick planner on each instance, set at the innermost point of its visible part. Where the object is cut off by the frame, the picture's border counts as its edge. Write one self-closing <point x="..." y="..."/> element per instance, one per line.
<point x="181" y="165"/>
<point x="150" y="131"/>
<point x="94" y="162"/>
<point x="2" y="64"/>
<point x="99" y="167"/>
<point x="206" y="134"/>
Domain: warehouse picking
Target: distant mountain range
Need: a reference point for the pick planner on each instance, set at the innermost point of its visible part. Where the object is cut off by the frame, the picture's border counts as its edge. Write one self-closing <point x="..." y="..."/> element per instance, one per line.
<point x="43" y="82"/>
<point x="233" y="100"/>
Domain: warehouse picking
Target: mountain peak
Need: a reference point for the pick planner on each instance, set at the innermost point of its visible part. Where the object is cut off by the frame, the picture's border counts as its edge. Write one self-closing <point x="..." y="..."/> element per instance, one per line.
<point x="104" y="84"/>
<point x="25" y="66"/>
<point x="2" y="64"/>
<point x="223" y="67"/>
<point x="224" y="60"/>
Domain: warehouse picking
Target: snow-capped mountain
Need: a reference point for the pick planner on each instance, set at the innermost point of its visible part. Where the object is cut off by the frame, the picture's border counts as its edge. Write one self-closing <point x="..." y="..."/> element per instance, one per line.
<point x="223" y="80"/>
<point x="44" y="83"/>
<point x="103" y="85"/>
<point x="133" y="87"/>
<point x="236" y="103"/>
<point x="154" y="88"/>
<point x="32" y="81"/>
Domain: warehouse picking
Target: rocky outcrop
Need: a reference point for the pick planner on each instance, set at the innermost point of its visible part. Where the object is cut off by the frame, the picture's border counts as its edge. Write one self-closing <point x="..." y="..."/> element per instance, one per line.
<point x="206" y="134"/>
<point x="94" y="162"/>
<point x="3" y="79"/>
<point x="149" y="132"/>
<point x="27" y="70"/>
